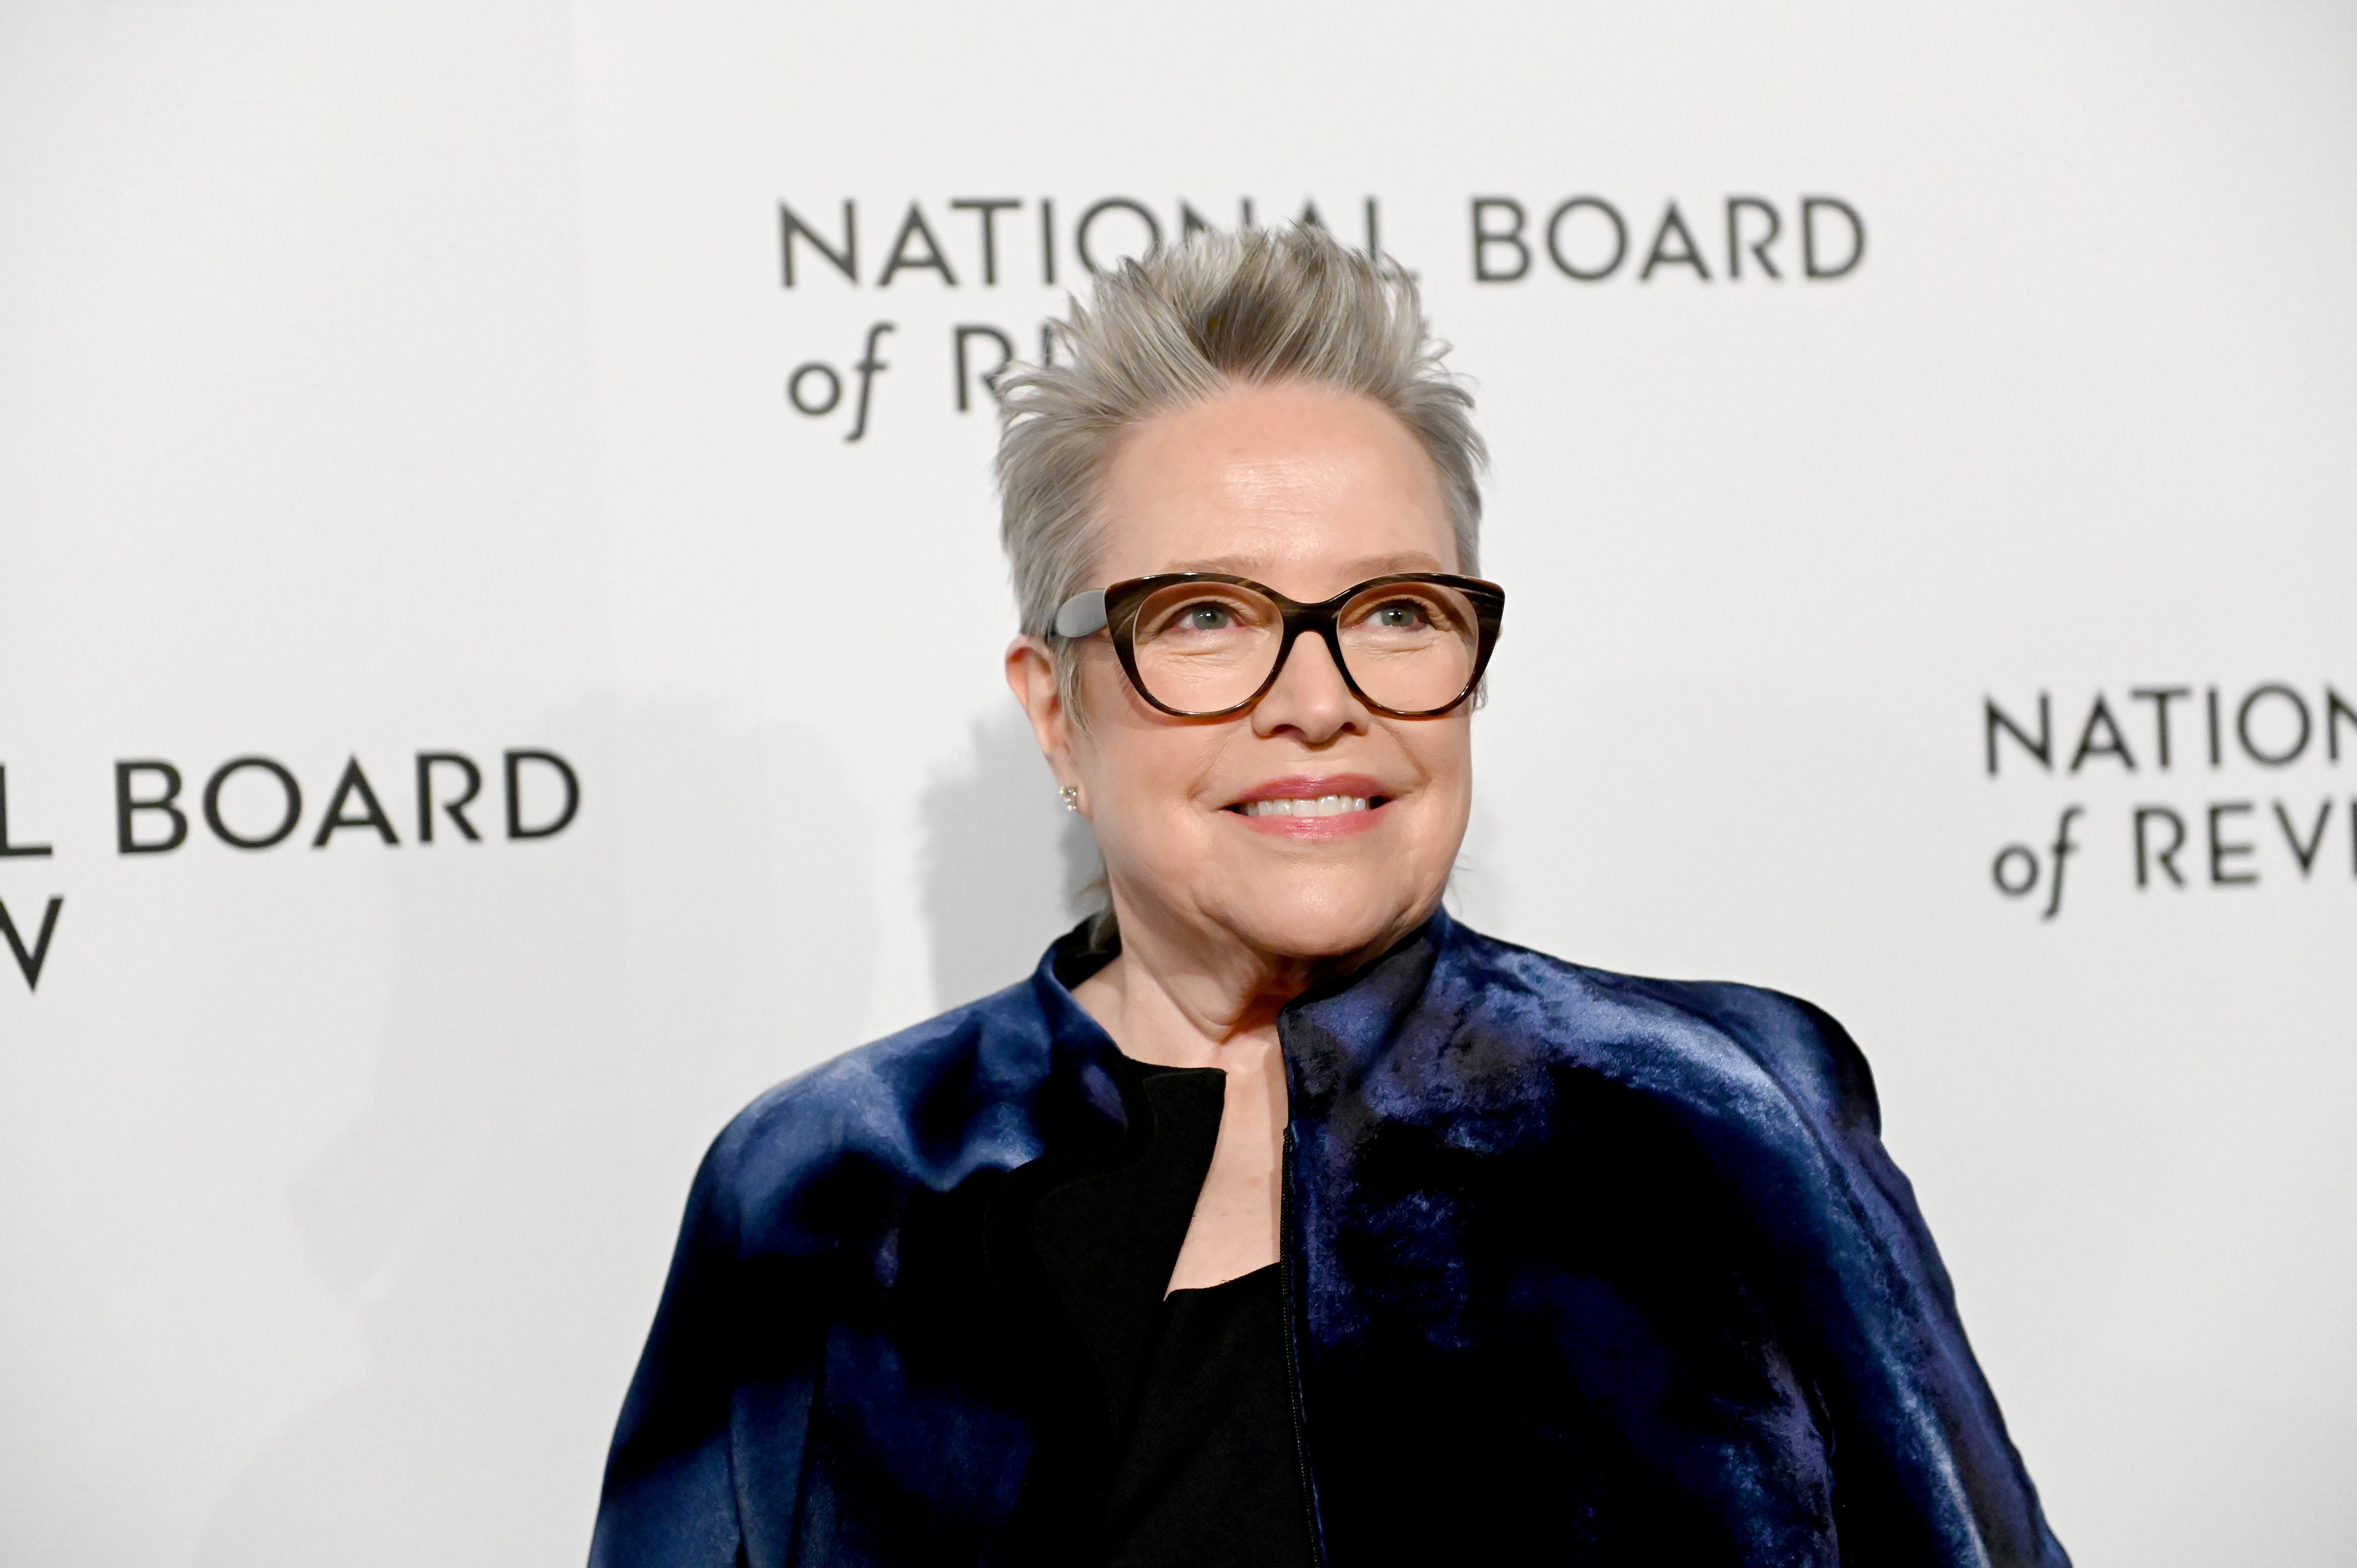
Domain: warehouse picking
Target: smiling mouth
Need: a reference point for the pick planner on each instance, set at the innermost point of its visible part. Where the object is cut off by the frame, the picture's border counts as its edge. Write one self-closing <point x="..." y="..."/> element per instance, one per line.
<point x="1314" y="806"/>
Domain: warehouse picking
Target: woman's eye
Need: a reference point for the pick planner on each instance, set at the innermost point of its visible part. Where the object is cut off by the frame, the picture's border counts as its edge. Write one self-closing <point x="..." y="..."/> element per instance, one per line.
<point x="1206" y="618"/>
<point x="1400" y="616"/>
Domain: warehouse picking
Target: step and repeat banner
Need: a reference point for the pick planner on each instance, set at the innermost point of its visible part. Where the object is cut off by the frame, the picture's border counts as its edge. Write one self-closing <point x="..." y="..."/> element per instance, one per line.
<point x="500" y="618"/>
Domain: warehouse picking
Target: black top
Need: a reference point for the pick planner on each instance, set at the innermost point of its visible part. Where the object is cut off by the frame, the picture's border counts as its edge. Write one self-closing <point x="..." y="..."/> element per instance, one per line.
<point x="1209" y="1477"/>
<point x="1205" y="1470"/>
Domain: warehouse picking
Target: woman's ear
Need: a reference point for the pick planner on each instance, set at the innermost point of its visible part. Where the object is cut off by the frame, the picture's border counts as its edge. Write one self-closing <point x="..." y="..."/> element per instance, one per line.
<point x="1031" y="676"/>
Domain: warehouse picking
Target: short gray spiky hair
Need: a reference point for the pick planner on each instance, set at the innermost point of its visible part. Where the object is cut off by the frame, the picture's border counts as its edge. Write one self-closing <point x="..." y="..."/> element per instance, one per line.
<point x="1184" y="325"/>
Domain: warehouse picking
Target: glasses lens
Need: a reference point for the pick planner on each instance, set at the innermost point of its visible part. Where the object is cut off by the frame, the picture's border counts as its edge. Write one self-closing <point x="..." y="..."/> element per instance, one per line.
<point x="1205" y="647"/>
<point x="1411" y="646"/>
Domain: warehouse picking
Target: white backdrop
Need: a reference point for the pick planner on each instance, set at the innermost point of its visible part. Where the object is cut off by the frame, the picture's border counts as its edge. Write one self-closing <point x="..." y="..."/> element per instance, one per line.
<point x="379" y="379"/>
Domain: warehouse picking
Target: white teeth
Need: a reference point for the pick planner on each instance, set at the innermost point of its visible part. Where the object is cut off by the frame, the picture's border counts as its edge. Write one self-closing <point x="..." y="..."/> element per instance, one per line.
<point x="1323" y="806"/>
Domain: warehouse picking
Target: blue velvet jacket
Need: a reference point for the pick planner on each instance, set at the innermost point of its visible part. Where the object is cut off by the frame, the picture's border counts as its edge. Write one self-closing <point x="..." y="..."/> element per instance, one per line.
<point x="1612" y="1270"/>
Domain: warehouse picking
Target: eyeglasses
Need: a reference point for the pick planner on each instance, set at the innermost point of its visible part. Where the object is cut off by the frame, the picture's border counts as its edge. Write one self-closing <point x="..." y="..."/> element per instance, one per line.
<point x="1202" y="645"/>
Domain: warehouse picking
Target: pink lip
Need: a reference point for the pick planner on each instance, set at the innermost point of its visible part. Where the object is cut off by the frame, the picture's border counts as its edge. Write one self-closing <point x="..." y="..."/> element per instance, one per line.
<point x="1301" y="787"/>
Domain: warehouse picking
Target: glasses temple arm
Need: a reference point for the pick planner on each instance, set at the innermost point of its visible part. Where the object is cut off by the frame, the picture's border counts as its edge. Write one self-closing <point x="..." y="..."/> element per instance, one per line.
<point x="1081" y="614"/>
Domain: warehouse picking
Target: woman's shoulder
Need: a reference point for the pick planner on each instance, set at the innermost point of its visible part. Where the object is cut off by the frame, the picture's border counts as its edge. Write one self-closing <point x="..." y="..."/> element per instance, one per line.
<point x="1655" y="1028"/>
<point x="932" y="1103"/>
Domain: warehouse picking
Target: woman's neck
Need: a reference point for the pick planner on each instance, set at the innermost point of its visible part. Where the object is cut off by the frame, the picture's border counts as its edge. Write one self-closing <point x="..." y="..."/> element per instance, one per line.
<point x="1178" y="1018"/>
<point x="1191" y="998"/>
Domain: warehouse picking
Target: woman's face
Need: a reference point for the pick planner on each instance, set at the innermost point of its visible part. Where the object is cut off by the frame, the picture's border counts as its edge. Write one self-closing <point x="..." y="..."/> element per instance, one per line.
<point x="1310" y="492"/>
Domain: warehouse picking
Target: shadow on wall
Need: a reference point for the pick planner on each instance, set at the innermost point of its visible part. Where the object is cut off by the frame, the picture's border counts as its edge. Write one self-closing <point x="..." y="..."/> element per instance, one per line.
<point x="1006" y="868"/>
<point x="569" y="1023"/>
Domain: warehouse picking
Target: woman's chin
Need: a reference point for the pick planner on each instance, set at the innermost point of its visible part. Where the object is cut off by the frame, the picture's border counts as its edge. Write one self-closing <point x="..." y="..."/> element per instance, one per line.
<point x="1328" y="927"/>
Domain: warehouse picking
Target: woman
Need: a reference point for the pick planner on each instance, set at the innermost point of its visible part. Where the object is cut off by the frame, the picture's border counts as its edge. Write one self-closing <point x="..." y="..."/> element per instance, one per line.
<point x="1278" y="1218"/>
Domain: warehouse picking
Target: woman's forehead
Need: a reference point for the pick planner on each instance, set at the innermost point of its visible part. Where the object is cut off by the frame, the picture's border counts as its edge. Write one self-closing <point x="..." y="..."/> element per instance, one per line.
<point x="1297" y="556"/>
<point x="1270" y="479"/>
<point x="1256" y="564"/>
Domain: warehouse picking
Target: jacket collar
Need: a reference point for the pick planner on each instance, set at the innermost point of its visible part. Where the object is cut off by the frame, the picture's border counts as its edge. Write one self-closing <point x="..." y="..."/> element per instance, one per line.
<point x="1331" y="1033"/>
<point x="1335" y="1032"/>
<point x="1086" y="1074"/>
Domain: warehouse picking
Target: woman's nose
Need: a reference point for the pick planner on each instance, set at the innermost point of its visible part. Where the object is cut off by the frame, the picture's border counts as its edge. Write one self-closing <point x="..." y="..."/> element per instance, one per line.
<point x="1310" y="698"/>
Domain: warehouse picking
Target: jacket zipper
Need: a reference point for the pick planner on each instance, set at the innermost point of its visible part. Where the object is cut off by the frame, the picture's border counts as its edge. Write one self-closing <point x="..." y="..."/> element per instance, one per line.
<point x="1292" y="1351"/>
